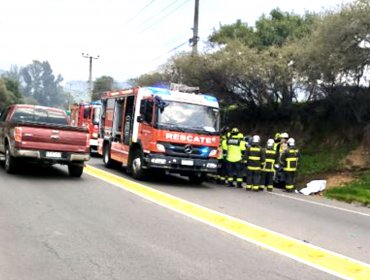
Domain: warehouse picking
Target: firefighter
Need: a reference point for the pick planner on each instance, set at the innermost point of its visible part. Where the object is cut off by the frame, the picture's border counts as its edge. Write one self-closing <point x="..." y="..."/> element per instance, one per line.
<point x="283" y="143"/>
<point x="289" y="162"/>
<point x="247" y="140"/>
<point x="277" y="140"/>
<point x="221" y="172"/>
<point x="235" y="147"/>
<point x="254" y="159"/>
<point x="268" y="169"/>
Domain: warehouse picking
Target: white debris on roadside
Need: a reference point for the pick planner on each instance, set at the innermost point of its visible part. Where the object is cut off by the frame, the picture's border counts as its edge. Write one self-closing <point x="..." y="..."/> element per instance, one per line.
<point x="314" y="186"/>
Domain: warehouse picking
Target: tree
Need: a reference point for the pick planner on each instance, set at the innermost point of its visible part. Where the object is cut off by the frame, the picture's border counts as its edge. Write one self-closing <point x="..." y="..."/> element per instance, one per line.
<point x="9" y="92"/>
<point x="102" y="84"/>
<point x="333" y="55"/>
<point x="42" y="85"/>
<point x="237" y="31"/>
<point x="150" y="79"/>
<point x="274" y="30"/>
<point x="14" y="73"/>
<point x="281" y="27"/>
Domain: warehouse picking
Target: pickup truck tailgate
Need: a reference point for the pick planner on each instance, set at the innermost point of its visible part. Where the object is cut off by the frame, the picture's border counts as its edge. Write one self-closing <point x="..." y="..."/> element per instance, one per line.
<point x="65" y="139"/>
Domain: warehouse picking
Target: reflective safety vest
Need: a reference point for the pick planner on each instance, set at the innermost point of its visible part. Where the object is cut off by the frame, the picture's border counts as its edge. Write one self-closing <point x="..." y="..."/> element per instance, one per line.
<point x="270" y="160"/>
<point x="290" y="159"/>
<point x="255" y="158"/>
<point x="234" y="146"/>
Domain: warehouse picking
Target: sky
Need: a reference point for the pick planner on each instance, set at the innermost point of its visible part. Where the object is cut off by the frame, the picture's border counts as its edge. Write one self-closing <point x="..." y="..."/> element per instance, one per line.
<point x="131" y="37"/>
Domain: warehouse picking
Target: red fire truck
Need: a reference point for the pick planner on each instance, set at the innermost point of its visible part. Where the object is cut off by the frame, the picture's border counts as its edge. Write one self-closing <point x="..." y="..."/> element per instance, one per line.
<point x="87" y="115"/>
<point x="155" y="128"/>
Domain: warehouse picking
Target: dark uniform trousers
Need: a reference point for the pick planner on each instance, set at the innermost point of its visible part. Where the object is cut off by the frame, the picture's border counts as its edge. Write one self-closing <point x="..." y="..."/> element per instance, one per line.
<point x="289" y="160"/>
<point x="268" y="170"/>
<point x="255" y="158"/>
<point x="235" y="147"/>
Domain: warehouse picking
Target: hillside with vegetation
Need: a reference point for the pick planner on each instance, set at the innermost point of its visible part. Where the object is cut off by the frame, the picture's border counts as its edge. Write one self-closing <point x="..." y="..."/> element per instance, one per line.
<point x="306" y="74"/>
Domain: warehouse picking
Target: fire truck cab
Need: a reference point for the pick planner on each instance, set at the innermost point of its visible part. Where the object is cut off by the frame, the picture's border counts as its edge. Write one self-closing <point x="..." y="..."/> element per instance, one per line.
<point x="88" y="115"/>
<point x="155" y="128"/>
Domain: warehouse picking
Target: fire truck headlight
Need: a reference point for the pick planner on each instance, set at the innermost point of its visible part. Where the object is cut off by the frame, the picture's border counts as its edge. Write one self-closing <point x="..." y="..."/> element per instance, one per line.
<point x="95" y="135"/>
<point x="161" y="148"/>
<point x="211" y="165"/>
<point x="212" y="153"/>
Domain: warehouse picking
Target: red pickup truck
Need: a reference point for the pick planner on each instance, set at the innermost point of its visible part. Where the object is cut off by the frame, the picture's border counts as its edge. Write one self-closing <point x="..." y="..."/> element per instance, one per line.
<point x="44" y="135"/>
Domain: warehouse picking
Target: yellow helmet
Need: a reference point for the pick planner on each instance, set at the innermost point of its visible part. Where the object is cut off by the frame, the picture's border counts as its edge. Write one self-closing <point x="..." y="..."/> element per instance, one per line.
<point x="277" y="136"/>
<point x="235" y="130"/>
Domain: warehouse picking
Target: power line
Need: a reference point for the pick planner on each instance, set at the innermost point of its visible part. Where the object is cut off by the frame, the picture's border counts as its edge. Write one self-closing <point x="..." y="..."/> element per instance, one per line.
<point x="142" y="10"/>
<point x="161" y="19"/>
<point x="159" y="13"/>
<point x="175" y="48"/>
<point x="171" y="50"/>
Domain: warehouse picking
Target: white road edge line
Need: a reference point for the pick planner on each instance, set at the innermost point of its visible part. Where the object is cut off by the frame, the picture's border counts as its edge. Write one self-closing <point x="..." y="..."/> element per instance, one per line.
<point x="321" y="204"/>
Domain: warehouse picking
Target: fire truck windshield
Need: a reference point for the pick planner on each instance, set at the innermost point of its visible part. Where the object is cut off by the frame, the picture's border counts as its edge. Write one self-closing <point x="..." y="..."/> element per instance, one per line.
<point x="188" y="117"/>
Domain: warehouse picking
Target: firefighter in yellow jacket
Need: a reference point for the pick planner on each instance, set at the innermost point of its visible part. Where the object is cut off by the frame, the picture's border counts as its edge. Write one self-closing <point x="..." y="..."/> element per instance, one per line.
<point x="289" y="161"/>
<point x="234" y="147"/>
<point x="268" y="169"/>
<point x="221" y="172"/>
<point x="254" y="159"/>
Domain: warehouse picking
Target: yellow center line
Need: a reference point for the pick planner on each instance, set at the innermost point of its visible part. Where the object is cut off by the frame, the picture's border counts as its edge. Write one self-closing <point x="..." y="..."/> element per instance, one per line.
<point x="330" y="262"/>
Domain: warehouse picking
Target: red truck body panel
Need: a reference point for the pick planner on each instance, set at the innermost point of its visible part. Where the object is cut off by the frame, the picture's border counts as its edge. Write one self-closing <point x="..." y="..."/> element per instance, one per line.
<point x="32" y="135"/>
<point x="184" y="141"/>
<point x="52" y="138"/>
<point x="87" y="115"/>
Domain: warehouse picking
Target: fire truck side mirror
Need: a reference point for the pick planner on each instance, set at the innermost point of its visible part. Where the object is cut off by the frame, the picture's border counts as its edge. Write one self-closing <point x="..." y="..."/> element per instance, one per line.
<point x="139" y="119"/>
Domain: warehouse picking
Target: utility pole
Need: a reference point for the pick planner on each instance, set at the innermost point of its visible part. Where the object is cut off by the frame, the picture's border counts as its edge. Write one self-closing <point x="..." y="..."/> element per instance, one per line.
<point x="90" y="57"/>
<point x="69" y="96"/>
<point x="195" y="39"/>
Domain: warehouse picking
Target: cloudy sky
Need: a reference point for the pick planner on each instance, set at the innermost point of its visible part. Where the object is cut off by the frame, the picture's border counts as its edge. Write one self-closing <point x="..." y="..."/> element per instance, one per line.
<point x="131" y="37"/>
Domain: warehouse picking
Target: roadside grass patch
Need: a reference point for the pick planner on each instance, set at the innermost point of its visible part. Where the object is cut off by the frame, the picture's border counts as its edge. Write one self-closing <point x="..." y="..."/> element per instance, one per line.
<point x="356" y="191"/>
<point x="317" y="162"/>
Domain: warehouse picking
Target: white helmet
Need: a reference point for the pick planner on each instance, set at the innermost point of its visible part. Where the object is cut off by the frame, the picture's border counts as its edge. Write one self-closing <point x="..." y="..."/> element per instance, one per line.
<point x="291" y="142"/>
<point x="284" y="135"/>
<point x="270" y="143"/>
<point x="256" y="139"/>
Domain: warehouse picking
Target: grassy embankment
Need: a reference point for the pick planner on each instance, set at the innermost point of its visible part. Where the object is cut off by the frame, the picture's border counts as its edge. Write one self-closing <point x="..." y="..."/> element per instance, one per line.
<point x="315" y="165"/>
<point x="356" y="191"/>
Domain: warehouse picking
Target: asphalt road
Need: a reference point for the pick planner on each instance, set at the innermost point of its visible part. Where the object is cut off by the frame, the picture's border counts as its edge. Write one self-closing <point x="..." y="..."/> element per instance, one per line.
<point x="56" y="227"/>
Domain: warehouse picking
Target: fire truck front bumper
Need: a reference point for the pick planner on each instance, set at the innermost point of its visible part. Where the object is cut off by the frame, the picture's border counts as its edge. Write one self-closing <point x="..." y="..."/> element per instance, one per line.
<point x="181" y="164"/>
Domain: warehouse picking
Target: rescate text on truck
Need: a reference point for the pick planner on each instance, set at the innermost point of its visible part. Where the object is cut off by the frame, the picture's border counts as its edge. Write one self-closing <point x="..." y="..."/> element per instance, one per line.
<point x="154" y="128"/>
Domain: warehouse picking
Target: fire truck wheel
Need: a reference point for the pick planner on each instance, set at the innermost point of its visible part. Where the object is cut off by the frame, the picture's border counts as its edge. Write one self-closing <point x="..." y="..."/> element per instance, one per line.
<point x="137" y="165"/>
<point x="108" y="162"/>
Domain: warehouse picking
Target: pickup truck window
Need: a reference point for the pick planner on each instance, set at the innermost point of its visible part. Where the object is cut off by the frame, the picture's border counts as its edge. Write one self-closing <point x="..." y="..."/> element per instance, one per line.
<point x="39" y="115"/>
<point x="4" y="113"/>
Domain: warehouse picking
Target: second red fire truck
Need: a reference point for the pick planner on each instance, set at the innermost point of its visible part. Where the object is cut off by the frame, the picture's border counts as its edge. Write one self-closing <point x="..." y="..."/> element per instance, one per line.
<point x="87" y="115"/>
<point x="154" y="128"/>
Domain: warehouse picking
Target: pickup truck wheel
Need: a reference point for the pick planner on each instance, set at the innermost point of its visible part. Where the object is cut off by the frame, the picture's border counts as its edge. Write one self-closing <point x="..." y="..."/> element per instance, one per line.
<point x="108" y="162"/>
<point x="137" y="166"/>
<point x="10" y="161"/>
<point x="75" y="170"/>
